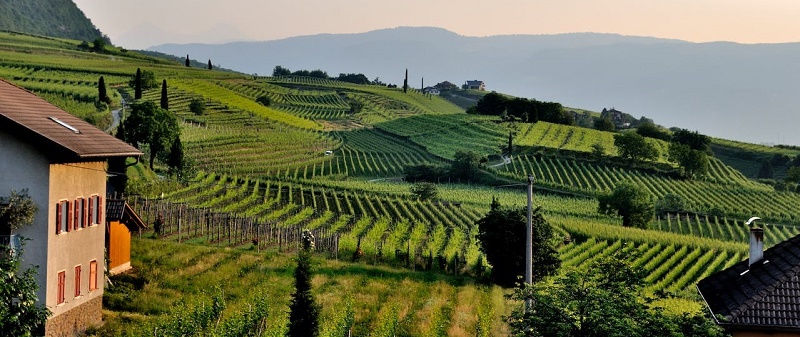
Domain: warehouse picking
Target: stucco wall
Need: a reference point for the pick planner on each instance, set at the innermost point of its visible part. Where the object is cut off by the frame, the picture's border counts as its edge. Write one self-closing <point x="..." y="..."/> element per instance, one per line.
<point x="78" y="247"/>
<point x="21" y="166"/>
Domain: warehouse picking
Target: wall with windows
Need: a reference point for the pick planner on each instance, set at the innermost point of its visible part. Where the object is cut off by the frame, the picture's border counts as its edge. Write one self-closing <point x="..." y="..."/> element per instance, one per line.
<point x="77" y="233"/>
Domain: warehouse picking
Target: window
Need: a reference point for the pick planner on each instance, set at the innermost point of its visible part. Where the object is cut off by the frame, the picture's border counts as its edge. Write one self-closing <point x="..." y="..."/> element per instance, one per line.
<point x="62" y="278"/>
<point x="77" y="280"/>
<point x="63" y="217"/>
<point x="79" y="213"/>
<point x="92" y="275"/>
<point x="96" y="209"/>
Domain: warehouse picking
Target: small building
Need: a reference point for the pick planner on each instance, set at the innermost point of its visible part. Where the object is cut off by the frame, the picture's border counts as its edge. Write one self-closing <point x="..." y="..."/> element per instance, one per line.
<point x="121" y="222"/>
<point x="759" y="296"/>
<point x="445" y="86"/>
<point x="61" y="161"/>
<point x="431" y="91"/>
<point x="475" y="85"/>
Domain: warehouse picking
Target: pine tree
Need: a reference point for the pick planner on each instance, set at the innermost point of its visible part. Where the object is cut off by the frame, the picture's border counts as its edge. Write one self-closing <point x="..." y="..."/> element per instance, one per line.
<point x="164" y="98"/>
<point x="137" y="84"/>
<point x="405" y="82"/>
<point x="303" y="310"/>
<point x="209" y="65"/>
<point x="102" y="94"/>
<point x="188" y="63"/>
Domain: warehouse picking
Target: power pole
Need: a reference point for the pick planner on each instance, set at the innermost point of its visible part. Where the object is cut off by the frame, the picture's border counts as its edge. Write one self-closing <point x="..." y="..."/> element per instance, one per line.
<point x="529" y="245"/>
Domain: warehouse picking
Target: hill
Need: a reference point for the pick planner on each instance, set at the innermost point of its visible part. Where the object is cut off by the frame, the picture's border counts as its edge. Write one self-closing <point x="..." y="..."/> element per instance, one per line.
<point x="55" y="18"/>
<point x="327" y="156"/>
<point x="727" y="90"/>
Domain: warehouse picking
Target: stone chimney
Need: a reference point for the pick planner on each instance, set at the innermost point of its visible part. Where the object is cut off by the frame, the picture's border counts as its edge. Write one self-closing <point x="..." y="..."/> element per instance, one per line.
<point x="756" y="245"/>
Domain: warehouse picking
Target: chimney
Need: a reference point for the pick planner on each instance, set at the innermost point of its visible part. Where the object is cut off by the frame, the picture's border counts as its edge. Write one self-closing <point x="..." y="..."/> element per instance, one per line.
<point x="756" y="245"/>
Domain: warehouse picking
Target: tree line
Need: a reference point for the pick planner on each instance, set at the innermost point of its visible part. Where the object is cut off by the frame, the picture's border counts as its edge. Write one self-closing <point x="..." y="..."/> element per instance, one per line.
<point x="356" y="78"/>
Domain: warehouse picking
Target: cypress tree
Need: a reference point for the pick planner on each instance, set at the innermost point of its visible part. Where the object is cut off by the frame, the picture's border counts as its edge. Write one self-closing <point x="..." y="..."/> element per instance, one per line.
<point x="209" y="65"/>
<point x="303" y="310"/>
<point x="164" y="98"/>
<point x="137" y="84"/>
<point x="102" y="95"/>
<point x="175" y="159"/>
<point x="510" y="146"/>
<point x="405" y="82"/>
<point x="187" y="61"/>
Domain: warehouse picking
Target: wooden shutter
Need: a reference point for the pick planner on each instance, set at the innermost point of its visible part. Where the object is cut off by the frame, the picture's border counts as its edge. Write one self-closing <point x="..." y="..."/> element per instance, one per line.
<point x="76" y="213"/>
<point x="91" y="211"/>
<point x="77" y="281"/>
<point x="92" y="275"/>
<point x="62" y="279"/>
<point x="58" y="218"/>
<point x="99" y="209"/>
<point x="70" y="223"/>
<point x="85" y="213"/>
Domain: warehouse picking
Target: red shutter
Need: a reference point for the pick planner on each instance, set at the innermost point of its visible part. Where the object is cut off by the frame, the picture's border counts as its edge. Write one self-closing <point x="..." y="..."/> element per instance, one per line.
<point x="92" y="275"/>
<point x="77" y="281"/>
<point x="85" y="213"/>
<point x="76" y="214"/>
<point x="62" y="278"/>
<point x="58" y="218"/>
<point x="91" y="211"/>
<point x="99" y="209"/>
<point x="69" y="216"/>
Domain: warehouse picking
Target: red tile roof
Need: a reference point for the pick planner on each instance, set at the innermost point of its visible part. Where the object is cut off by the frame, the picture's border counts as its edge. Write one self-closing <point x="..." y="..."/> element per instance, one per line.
<point x="57" y="133"/>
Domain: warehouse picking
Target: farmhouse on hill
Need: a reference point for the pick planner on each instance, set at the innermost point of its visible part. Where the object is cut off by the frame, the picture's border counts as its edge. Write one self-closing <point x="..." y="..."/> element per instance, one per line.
<point x="760" y="296"/>
<point x="474" y="85"/>
<point x="61" y="160"/>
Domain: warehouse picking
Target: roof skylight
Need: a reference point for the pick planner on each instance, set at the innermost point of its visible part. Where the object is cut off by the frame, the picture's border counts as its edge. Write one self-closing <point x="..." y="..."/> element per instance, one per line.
<point x="64" y="124"/>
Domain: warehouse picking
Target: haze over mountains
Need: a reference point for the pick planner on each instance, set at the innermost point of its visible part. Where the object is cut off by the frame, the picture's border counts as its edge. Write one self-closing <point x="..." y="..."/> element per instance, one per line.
<point x="737" y="91"/>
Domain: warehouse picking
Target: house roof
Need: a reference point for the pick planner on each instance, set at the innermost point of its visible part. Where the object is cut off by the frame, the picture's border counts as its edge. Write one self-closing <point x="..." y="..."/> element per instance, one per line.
<point x="765" y="295"/>
<point x="475" y="82"/>
<point x="57" y="133"/>
<point x="119" y="210"/>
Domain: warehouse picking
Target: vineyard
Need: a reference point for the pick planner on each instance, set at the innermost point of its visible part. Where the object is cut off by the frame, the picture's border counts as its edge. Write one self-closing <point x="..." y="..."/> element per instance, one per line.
<point x="328" y="156"/>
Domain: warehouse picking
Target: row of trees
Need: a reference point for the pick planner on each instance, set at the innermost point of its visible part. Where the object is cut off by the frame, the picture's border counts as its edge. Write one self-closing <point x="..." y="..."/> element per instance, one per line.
<point x="689" y="150"/>
<point x="523" y="109"/>
<point x="465" y="167"/>
<point x="356" y="78"/>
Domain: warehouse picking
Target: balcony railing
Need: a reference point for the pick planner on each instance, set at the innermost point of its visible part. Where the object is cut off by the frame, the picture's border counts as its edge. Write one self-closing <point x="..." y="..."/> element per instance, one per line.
<point x="9" y="244"/>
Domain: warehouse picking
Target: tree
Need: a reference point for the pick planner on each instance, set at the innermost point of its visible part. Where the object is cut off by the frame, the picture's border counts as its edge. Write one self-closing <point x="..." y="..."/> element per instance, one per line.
<point x="510" y="146"/>
<point x="99" y="45"/>
<point x="634" y="147"/>
<point x="137" y="84"/>
<point x="501" y="236"/>
<point x="209" y="65"/>
<point x="694" y="140"/>
<point x="281" y="71"/>
<point x="118" y="178"/>
<point x="793" y="174"/>
<point x="19" y="314"/>
<point x="175" y="158"/>
<point x="491" y="104"/>
<point x="630" y="201"/>
<point x="102" y="94"/>
<point x="649" y="129"/>
<point x="17" y="210"/>
<point x="151" y="125"/>
<point x="424" y="191"/>
<point x="424" y="172"/>
<point x="303" y="309"/>
<point x="187" y="63"/>
<point x="694" y="163"/>
<point x="264" y="100"/>
<point x="671" y="203"/>
<point x="197" y="106"/>
<point x="604" y="124"/>
<point x="164" y="96"/>
<point x="601" y="300"/>
<point x="405" y="82"/>
<point x="598" y="151"/>
<point x="765" y="171"/>
<point x="466" y="165"/>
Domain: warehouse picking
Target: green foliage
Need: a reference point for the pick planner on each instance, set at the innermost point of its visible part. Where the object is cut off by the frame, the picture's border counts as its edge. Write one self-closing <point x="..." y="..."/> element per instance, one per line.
<point x="602" y="300"/>
<point x="766" y="171"/>
<point x="210" y="67"/>
<point x="19" y="314"/>
<point x="793" y="174"/>
<point x="465" y="166"/>
<point x="153" y="126"/>
<point x="501" y="236"/>
<point x="17" y="210"/>
<point x="598" y="151"/>
<point x="694" y="140"/>
<point x="604" y="124"/>
<point x="164" y="96"/>
<point x="281" y="71"/>
<point x="633" y="147"/>
<point x="197" y="106"/>
<point x="630" y="201"/>
<point x="424" y="191"/>
<point x="102" y="94"/>
<point x="303" y="309"/>
<point x="424" y="172"/>
<point x="651" y="130"/>
<point x="672" y="203"/>
<point x="55" y="18"/>
<point x="694" y="163"/>
<point x="187" y="62"/>
<point x="137" y="84"/>
<point x="264" y="100"/>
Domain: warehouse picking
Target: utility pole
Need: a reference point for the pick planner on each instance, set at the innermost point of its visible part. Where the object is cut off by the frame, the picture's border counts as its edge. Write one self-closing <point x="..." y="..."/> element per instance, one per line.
<point x="529" y="245"/>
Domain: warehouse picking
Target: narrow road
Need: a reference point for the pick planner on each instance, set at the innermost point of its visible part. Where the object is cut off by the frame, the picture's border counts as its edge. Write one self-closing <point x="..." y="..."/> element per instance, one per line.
<point x="116" y="115"/>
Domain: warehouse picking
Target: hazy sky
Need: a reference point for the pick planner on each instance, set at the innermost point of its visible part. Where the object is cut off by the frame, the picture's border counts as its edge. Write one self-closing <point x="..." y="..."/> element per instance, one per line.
<point x="142" y="23"/>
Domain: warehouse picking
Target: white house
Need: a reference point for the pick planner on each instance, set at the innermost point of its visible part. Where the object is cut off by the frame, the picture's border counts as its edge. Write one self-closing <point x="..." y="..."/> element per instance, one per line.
<point x="61" y="160"/>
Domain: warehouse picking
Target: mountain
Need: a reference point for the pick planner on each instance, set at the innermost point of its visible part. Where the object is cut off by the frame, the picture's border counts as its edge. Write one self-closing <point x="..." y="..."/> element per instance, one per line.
<point x="737" y="91"/>
<point x="54" y="18"/>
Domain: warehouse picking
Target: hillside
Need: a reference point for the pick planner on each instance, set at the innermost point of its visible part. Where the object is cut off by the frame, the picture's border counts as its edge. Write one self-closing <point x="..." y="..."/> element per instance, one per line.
<point x="55" y="18"/>
<point x="327" y="156"/>
<point x="715" y="88"/>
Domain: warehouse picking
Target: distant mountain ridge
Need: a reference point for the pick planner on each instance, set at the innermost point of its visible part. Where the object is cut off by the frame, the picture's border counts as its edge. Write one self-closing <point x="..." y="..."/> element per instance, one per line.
<point x="736" y="91"/>
<point x="54" y="18"/>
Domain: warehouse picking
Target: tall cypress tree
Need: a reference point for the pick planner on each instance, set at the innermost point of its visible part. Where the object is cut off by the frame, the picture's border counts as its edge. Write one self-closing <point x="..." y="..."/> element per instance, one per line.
<point x="510" y="146"/>
<point x="137" y="84"/>
<point x="303" y="310"/>
<point x="102" y="94"/>
<point x="405" y="82"/>
<point x="164" y="98"/>
<point x="187" y="61"/>
<point x="175" y="159"/>
<point x="209" y="65"/>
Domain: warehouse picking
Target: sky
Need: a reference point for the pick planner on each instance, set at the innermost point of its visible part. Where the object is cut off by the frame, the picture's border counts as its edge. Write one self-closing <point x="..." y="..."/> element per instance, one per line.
<point x="138" y="24"/>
